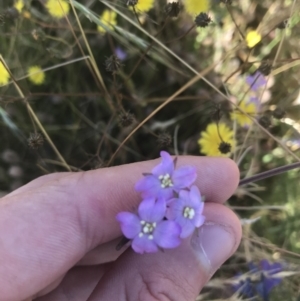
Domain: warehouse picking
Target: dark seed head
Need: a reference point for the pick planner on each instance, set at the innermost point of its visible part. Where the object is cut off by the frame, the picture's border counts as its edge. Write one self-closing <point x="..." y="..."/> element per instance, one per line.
<point x="278" y="113"/>
<point x="203" y="20"/>
<point x="35" y="140"/>
<point x="284" y="24"/>
<point x="265" y="68"/>
<point x="265" y="121"/>
<point x="126" y="119"/>
<point x="112" y="64"/>
<point x="216" y="113"/>
<point x="12" y="13"/>
<point x="224" y="147"/>
<point x="172" y="9"/>
<point x="9" y="14"/>
<point x="164" y="139"/>
<point x="131" y="2"/>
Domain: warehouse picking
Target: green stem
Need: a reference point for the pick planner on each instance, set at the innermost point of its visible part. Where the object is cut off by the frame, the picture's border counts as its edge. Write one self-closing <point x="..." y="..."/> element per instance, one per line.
<point x="269" y="173"/>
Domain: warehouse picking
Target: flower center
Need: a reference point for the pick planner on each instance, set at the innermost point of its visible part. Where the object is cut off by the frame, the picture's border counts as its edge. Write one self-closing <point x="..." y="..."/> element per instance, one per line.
<point x="224" y="147"/>
<point x="147" y="229"/>
<point x="165" y="181"/>
<point x="188" y="212"/>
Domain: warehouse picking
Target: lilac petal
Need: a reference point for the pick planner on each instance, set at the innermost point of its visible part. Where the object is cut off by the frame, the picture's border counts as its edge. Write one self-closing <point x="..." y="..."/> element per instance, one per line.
<point x="144" y="245"/>
<point x="256" y="81"/>
<point x="175" y="209"/>
<point x="170" y="201"/>
<point x="184" y="195"/>
<point x="130" y="224"/>
<point x="184" y="177"/>
<point x="149" y="186"/>
<point x="187" y="228"/>
<point x="151" y="211"/>
<point x="120" y="53"/>
<point x="166" y="234"/>
<point x="195" y="196"/>
<point x="166" y="193"/>
<point x="199" y="221"/>
<point x="166" y="166"/>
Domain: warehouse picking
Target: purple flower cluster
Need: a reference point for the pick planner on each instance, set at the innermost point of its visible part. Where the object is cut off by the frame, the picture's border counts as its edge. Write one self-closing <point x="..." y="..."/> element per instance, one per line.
<point x="170" y="210"/>
<point x="261" y="281"/>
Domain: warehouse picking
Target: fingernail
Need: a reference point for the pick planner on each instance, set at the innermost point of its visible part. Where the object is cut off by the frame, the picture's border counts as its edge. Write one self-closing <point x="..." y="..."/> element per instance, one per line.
<point x="214" y="244"/>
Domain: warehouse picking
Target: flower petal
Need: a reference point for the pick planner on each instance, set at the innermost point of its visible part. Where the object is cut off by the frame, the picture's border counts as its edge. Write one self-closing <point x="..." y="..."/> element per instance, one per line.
<point x="149" y="186"/>
<point x="144" y="245"/>
<point x="166" y="234"/>
<point x="195" y="196"/>
<point x="199" y="221"/>
<point x="187" y="228"/>
<point x="151" y="211"/>
<point x="166" y="166"/>
<point x="130" y="224"/>
<point x="175" y="209"/>
<point x="184" y="177"/>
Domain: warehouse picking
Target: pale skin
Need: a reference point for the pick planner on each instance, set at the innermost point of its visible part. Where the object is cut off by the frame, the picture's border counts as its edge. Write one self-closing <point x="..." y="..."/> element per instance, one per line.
<point x="59" y="236"/>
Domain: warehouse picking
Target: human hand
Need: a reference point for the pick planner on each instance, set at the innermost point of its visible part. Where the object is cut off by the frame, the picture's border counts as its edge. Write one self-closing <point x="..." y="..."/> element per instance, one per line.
<point x="59" y="235"/>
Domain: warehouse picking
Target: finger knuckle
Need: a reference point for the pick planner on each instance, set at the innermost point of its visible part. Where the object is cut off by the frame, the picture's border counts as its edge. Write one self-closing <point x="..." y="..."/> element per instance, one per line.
<point x="158" y="286"/>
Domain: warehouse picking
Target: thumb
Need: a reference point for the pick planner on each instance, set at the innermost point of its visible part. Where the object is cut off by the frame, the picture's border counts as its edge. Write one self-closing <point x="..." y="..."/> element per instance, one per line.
<point x="177" y="274"/>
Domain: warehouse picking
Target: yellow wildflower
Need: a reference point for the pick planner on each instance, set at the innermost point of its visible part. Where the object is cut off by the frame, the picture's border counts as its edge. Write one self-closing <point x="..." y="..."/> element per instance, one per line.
<point x="196" y="6"/>
<point x="58" y="8"/>
<point x="36" y="75"/>
<point x="19" y="4"/>
<point x="109" y="19"/>
<point x="143" y="6"/>
<point x="4" y="75"/>
<point x="217" y="140"/>
<point x="253" y="38"/>
<point x="249" y="107"/>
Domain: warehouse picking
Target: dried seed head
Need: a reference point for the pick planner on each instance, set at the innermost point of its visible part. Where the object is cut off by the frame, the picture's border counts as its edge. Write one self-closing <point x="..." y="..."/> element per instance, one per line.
<point x="203" y="20"/>
<point x="224" y="147"/>
<point x="216" y="113"/>
<point x="126" y="119"/>
<point x="35" y="140"/>
<point x="265" y="121"/>
<point x="164" y="139"/>
<point x="172" y="9"/>
<point x="265" y="68"/>
<point x="278" y="113"/>
<point x="131" y="2"/>
<point x="9" y="14"/>
<point x="38" y="35"/>
<point x="2" y="19"/>
<point x="284" y="24"/>
<point x="12" y="13"/>
<point x="113" y="64"/>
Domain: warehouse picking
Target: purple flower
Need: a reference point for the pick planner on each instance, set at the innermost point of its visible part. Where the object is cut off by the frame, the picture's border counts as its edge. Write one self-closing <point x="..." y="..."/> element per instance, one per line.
<point x="262" y="286"/>
<point x="164" y="180"/>
<point x="186" y="210"/>
<point x="120" y="53"/>
<point x="148" y="230"/>
<point x="256" y="80"/>
<point x="245" y="287"/>
<point x="269" y="270"/>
